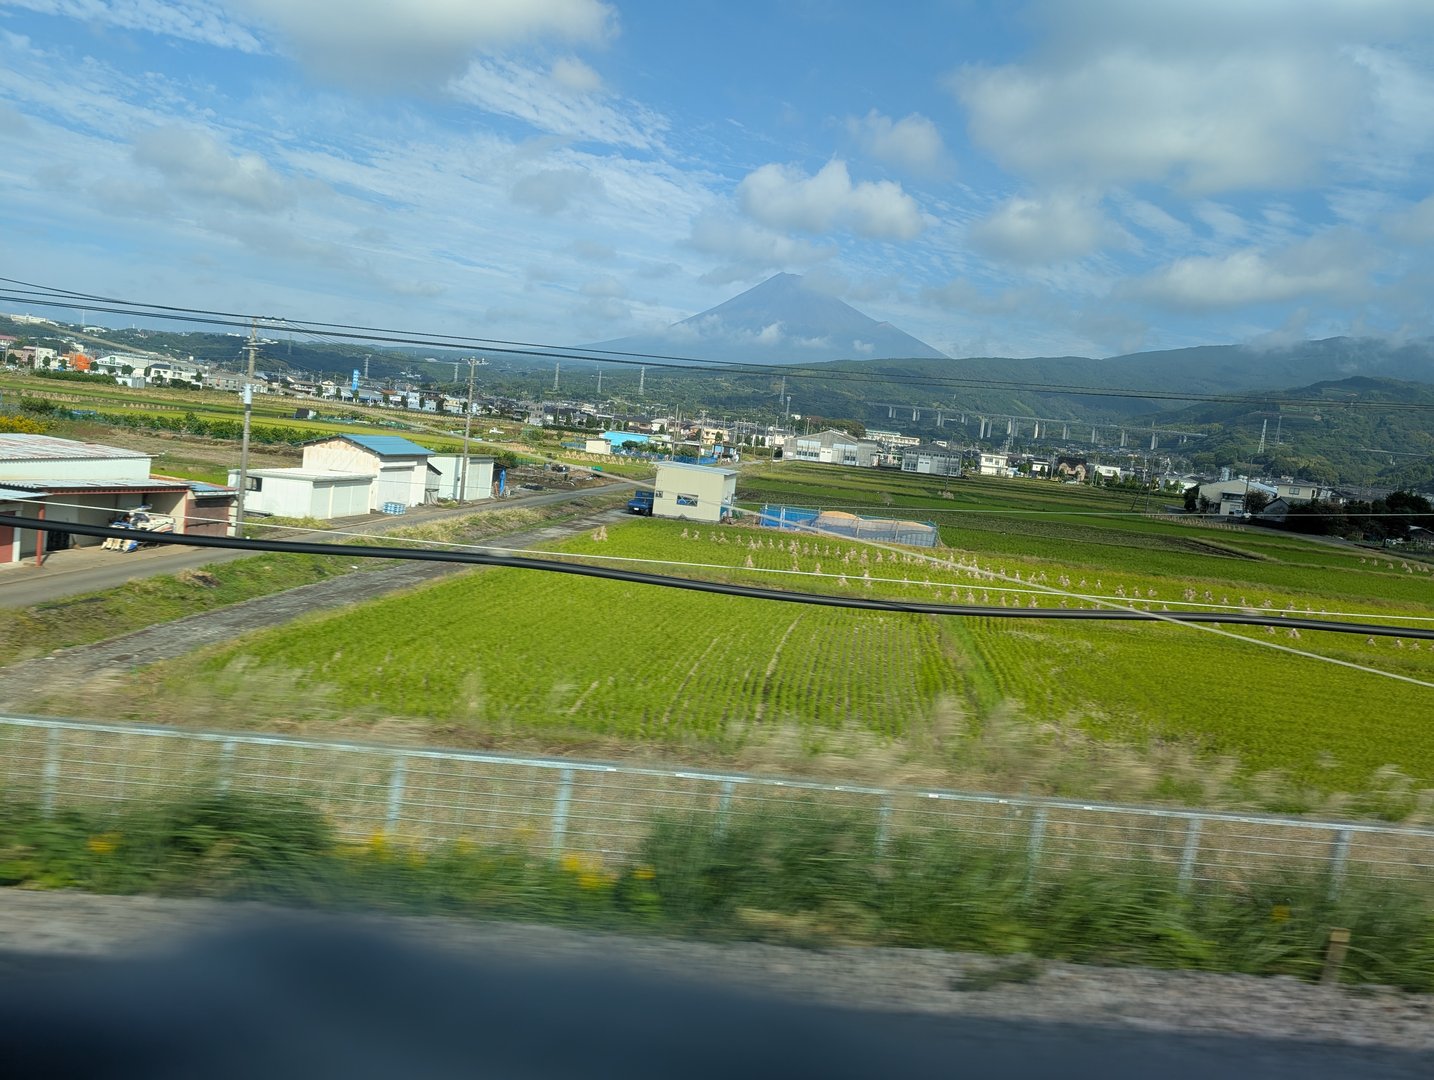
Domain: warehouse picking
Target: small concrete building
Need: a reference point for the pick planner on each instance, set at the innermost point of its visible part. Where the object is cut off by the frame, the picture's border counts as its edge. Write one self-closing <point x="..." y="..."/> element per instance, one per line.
<point x="449" y="468"/>
<point x="399" y="468"/>
<point x="694" y="492"/>
<point x="305" y="493"/>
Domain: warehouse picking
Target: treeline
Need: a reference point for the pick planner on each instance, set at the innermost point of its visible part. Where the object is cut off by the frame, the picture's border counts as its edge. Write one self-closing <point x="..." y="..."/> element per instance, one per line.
<point x="188" y="423"/>
<point x="37" y="412"/>
<point x="1393" y="517"/>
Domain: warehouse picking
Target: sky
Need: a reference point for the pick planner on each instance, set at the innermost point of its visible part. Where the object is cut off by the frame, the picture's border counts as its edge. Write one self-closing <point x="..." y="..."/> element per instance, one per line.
<point x="998" y="179"/>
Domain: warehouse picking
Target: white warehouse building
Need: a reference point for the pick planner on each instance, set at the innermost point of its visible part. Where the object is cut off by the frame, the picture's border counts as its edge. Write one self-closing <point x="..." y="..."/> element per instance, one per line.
<point x="694" y="492"/>
<point x="353" y="475"/>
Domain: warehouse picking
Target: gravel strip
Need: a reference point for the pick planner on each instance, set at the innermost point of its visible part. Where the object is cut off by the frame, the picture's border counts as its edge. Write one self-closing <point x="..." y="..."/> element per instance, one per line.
<point x="56" y="924"/>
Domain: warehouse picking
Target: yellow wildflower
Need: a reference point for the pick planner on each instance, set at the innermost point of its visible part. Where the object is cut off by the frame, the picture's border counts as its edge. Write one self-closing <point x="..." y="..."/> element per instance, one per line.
<point x="104" y="844"/>
<point x="1279" y="913"/>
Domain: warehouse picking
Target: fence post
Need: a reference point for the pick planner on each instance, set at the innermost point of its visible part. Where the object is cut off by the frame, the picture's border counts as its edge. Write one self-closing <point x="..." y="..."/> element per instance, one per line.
<point x="560" y="811"/>
<point x="724" y="806"/>
<point x="52" y="770"/>
<point x="1189" y="854"/>
<point x="1037" y="841"/>
<point x="883" y="824"/>
<point x="1338" y="856"/>
<point x="226" y="764"/>
<point x="395" y="793"/>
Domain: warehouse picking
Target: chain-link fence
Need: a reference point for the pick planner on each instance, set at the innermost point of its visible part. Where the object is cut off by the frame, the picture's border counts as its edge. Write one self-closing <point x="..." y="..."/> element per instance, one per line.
<point x="556" y="806"/>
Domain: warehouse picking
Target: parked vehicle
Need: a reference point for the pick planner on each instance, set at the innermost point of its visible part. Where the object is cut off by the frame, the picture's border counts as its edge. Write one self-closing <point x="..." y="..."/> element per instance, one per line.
<point x="640" y="503"/>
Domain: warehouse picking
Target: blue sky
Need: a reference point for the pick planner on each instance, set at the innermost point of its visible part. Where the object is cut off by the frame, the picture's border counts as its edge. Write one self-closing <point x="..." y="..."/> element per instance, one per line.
<point x="1038" y="178"/>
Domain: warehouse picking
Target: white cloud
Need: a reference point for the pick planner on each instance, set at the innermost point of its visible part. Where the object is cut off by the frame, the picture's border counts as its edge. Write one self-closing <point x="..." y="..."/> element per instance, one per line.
<point x="377" y="41"/>
<point x="576" y="77"/>
<point x="553" y="190"/>
<point x="1146" y="215"/>
<point x="1414" y="224"/>
<point x="1332" y="266"/>
<point x="196" y="164"/>
<point x="783" y="197"/>
<point x="1246" y="119"/>
<point x="1223" y="223"/>
<point x="751" y="245"/>
<point x="604" y="288"/>
<point x="912" y="143"/>
<point x="549" y="102"/>
<point x="1047" y="229"/>
<point x="188" y="20"/>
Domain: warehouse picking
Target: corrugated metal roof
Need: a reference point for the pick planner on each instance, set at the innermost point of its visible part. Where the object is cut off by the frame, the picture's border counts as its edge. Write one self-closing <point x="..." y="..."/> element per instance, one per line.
<point x="309" y="474"/>
<point x="32" y="486"/>
<point x="11" y="493"/>
<point x="17" y="447"/>
<point x="382" y="445"/>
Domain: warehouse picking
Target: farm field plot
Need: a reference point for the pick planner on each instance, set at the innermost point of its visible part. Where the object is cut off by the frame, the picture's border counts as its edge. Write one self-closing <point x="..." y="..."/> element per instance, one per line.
<point x="511" y="656"/>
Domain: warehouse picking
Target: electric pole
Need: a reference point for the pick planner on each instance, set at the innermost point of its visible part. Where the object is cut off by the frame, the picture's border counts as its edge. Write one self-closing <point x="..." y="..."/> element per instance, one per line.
<point x="467" y="431"/>
<point x="248" y="419"/>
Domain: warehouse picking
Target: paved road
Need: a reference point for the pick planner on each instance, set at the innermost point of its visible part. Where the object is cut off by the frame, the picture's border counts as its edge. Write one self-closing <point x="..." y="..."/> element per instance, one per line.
<point x="89" y="569"/>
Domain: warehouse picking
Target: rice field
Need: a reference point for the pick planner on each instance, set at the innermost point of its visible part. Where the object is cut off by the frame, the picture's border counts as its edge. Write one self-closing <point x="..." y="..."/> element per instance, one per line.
<point x="509" y="652"/>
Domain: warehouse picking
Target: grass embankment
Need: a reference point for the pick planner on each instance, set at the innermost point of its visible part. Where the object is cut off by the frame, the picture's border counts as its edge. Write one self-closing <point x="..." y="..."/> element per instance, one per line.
<point x="97" y="616"/>
<point x="811" y="877"/>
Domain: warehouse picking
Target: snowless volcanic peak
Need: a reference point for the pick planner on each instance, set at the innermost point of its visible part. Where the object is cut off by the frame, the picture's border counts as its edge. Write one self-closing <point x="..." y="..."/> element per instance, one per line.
<point x="780" y="321"/>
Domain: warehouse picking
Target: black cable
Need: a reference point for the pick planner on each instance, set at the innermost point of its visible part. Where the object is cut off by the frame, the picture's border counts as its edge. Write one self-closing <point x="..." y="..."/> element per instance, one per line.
<point x="661" y="361"/>
<point x="637" y="577"/>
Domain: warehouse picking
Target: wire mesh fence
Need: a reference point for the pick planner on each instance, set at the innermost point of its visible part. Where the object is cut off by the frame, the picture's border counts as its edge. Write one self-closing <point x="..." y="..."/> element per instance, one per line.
<point x="557" y="806"/>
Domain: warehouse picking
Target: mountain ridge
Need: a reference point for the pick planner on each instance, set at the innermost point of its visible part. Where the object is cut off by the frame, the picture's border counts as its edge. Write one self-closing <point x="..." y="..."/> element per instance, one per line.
<point x="780" y="321"/>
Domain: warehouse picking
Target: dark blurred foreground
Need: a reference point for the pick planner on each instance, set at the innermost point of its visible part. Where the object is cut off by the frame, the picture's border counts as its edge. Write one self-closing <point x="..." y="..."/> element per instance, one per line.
<point x="317" y="999"/>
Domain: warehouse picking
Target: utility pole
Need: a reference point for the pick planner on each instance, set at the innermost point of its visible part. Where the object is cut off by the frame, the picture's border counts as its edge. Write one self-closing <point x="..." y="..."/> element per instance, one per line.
<point x="557" y="367"/>
<point x="641" y="379"/>
<point x="248" y="419"/>
<point x="467" y="431"/>
<point x="599" y="393"/>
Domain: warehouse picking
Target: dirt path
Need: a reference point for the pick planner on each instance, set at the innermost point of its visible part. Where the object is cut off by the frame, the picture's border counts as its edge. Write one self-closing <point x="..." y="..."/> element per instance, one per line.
<point x="21" y="682"/>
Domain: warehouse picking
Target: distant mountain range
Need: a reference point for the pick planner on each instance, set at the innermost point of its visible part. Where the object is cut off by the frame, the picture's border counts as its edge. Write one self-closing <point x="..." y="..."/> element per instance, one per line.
<point x="780" y="321"/>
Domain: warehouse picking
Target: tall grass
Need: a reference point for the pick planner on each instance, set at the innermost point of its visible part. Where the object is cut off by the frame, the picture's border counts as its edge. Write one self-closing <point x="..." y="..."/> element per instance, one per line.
<point x="808" y="876"/>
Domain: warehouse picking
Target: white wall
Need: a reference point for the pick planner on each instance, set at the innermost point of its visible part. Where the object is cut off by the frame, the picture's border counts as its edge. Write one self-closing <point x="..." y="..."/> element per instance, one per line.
<point x="712" y="492"/>
<point x="450" y="468"/>
<point x="399" y="479"/>
<point x="297" y="493"/>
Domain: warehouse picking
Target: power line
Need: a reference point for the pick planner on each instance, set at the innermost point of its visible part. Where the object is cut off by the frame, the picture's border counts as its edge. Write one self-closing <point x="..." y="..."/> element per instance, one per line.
<point x="532" y="350"/>
<point x="522" y="562"/>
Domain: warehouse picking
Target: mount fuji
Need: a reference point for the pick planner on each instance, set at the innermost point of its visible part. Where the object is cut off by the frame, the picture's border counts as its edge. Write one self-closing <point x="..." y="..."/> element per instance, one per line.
<point x="780" y="321"/>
